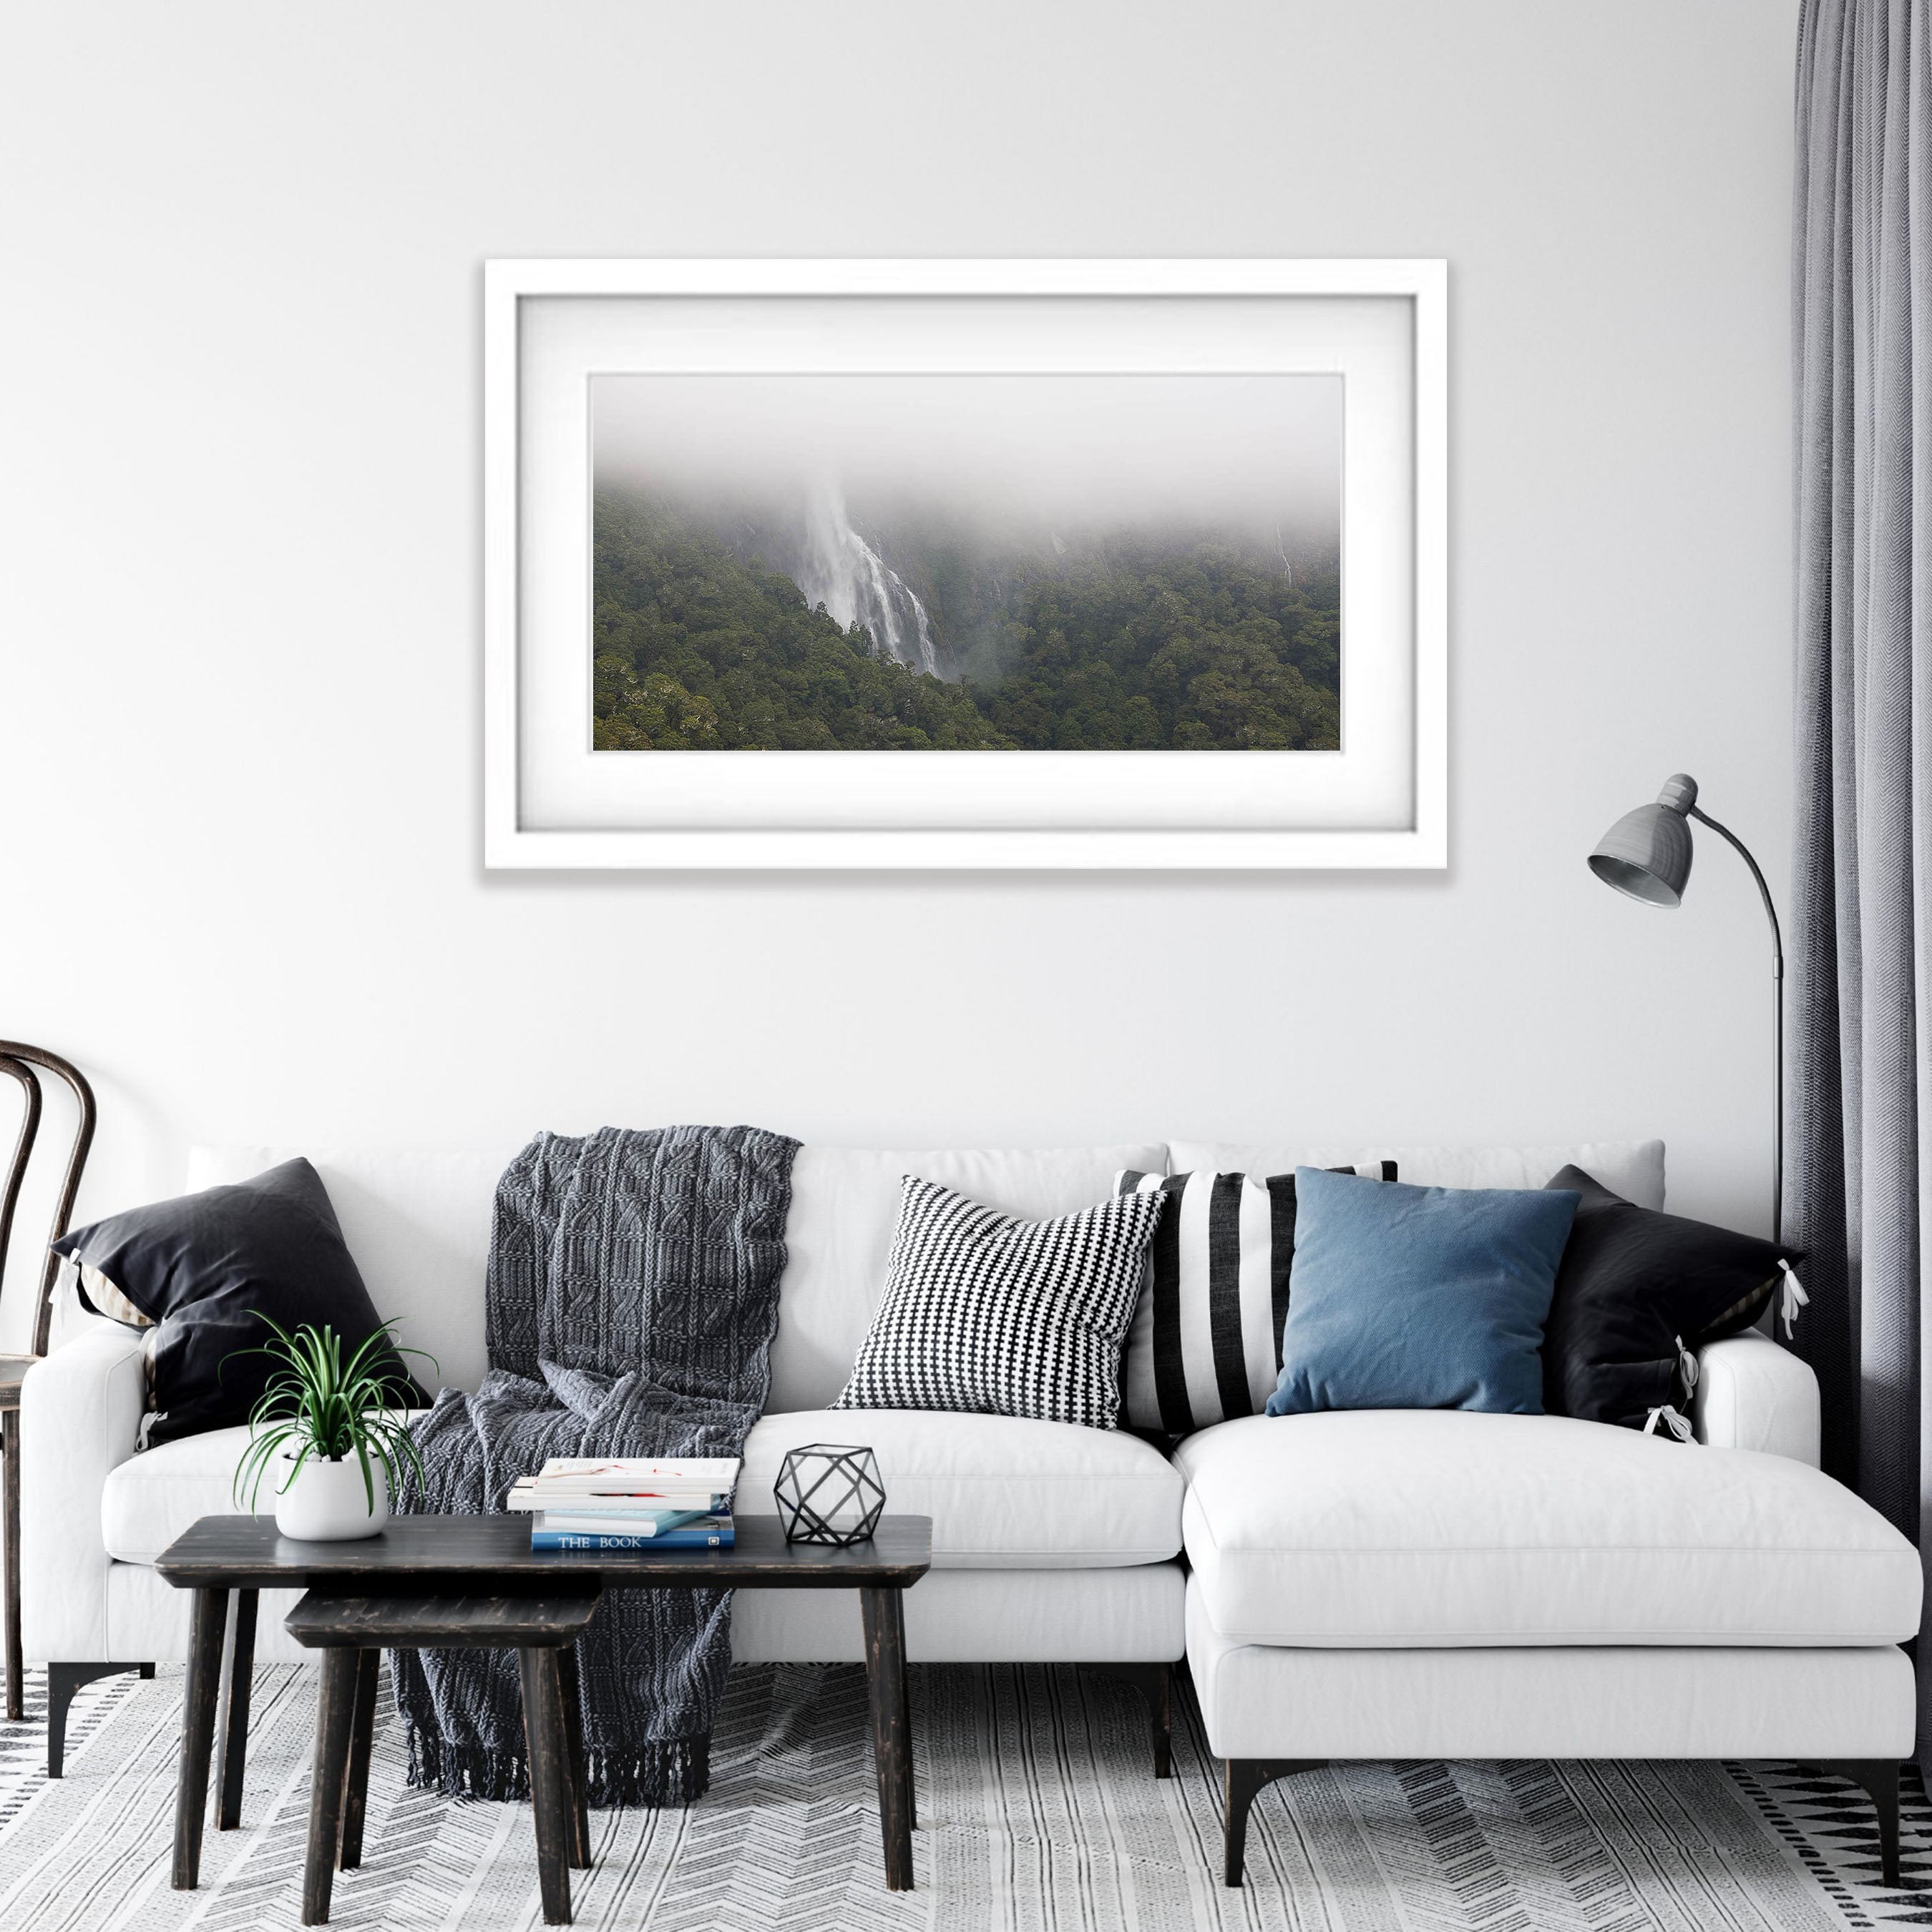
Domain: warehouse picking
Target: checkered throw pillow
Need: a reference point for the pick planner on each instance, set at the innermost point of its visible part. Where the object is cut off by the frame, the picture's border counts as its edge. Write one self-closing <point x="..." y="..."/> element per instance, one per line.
<point x="990" y="1314"/>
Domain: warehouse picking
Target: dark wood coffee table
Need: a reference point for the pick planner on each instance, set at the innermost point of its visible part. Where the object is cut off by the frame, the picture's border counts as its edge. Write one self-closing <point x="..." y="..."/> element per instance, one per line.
<point x="351" y="1630"/>
<point x="424" y="1556"/>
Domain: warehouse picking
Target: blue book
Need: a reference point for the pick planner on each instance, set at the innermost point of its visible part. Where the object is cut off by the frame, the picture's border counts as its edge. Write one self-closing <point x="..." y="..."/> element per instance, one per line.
<point x="723" y="1538"/>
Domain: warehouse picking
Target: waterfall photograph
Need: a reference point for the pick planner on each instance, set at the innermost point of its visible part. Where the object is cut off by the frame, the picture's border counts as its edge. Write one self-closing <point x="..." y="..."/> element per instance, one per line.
<point x="910" y="561"/>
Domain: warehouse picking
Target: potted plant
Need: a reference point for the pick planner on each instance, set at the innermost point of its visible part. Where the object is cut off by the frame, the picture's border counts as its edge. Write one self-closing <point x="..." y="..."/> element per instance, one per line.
<point x="328" y="1431"/>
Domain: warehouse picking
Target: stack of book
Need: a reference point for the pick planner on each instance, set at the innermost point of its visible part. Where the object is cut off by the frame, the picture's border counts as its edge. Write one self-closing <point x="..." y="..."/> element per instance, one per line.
<point x="626" y="1502"/>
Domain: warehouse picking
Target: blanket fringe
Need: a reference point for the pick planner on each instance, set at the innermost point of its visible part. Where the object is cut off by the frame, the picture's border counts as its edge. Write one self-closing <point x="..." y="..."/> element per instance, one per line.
<point x="675" y="1772"/>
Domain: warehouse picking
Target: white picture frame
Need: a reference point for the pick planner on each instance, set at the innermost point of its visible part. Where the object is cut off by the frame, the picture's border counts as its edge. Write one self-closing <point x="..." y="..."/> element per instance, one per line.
<point x="1380" y="802"/>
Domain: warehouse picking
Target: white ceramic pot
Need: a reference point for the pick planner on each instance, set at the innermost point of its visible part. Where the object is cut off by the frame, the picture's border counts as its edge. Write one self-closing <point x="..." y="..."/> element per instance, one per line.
<point x="326" y="1502"/>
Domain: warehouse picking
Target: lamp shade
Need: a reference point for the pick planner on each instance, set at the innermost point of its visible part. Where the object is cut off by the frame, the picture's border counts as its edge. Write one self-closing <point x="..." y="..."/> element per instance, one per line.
<point x="1647" y="853"/>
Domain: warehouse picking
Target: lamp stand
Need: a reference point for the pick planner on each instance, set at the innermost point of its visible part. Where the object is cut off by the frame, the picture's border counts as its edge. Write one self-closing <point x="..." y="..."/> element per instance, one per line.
<point x="1778" y="1020"/>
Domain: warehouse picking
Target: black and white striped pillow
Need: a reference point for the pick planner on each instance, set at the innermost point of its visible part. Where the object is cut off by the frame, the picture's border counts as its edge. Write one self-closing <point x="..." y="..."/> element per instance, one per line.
<point x="988" y="1313"/>
<point x="1205" y="1342"/>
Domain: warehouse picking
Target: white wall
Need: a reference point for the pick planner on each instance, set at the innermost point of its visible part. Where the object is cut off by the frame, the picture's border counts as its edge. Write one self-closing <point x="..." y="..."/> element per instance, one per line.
<point x="239" y="562"/>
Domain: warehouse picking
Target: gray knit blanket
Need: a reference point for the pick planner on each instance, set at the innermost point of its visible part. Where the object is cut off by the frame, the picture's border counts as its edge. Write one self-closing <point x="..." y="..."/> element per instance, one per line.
<point x="633" y="1293"/>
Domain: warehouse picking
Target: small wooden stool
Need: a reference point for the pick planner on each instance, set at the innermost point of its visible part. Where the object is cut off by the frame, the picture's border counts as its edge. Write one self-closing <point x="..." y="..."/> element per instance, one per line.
<point x="350" y="1631"/>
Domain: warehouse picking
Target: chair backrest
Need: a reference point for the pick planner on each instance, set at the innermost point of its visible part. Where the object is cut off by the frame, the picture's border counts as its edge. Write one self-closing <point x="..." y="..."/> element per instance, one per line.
<point x="19" y="1060"/>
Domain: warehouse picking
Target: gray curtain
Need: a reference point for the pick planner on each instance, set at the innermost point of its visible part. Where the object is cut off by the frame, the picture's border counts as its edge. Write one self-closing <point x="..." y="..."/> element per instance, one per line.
<point x="1861" y="336"/>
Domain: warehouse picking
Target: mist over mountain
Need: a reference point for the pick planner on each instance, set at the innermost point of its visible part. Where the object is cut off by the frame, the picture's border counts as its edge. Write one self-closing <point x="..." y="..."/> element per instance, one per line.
<point x="1231" y="452"/>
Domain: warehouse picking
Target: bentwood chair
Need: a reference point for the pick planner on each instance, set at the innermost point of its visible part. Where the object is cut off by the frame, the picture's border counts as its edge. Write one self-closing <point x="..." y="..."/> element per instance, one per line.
<point x="18" y="1060"/>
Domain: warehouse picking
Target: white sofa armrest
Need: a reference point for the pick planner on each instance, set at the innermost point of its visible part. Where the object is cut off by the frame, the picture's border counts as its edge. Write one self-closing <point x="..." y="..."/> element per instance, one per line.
<point x="80" y="1413"/>
<point x="1753" y="1394"/>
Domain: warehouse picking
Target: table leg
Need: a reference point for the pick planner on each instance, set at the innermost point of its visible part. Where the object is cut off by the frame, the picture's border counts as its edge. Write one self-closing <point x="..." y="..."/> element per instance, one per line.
<point x="361" y="1738"/>
<point x="572" y="1694"/>
<point x="10" y="1446"/>
<point x="882" y="1610"/>
<point x="206" y="1630"/>
<point x="905" y="1705"/>
<point x="237" y="1684"/>
<point x="334" y="1718"/>
<point x="550" y="1781"/>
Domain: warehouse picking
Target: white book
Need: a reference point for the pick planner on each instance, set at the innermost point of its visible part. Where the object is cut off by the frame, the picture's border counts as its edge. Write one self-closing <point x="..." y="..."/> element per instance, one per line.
<point x="616" y="1506"/>
<point x="629" y="1482"/>
<point x="719" y="1472"/>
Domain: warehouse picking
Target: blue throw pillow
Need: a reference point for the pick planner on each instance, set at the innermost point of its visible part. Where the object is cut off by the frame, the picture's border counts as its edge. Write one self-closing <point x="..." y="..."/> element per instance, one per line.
<point x="1419" y="1298"/>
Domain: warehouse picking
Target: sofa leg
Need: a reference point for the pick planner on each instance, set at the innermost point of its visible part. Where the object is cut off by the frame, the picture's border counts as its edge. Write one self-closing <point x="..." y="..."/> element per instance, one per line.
<point x="63" y="1680"/>
<point x="1155" y="1682"/>
<point x="1879" y="1778"/>
<point x="1243" y="1782"/>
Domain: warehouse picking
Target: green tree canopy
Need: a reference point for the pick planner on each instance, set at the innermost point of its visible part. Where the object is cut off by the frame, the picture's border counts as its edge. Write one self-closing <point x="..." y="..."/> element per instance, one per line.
<point x="1132" y="645"/>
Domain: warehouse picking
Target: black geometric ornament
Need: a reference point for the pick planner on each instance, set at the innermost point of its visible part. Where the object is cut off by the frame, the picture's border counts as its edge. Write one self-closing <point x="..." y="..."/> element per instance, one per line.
<point x="829" y="1492"/>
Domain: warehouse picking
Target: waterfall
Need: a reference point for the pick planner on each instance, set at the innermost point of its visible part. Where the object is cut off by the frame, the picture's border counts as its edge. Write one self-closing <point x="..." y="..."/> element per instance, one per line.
<point x="842" y="571"/>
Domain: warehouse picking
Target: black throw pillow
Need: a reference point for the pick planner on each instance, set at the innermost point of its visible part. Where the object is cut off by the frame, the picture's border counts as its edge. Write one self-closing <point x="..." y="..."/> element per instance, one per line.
<point x="1633" y="1284"/>
<point x="202" y="1266"/>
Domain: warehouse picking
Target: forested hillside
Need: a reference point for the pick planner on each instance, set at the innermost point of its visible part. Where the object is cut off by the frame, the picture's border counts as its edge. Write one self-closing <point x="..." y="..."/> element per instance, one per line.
<point x="1122" y="644"/>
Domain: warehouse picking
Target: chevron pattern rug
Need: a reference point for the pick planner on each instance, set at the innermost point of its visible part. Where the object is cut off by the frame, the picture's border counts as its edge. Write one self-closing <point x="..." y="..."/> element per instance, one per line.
<point x="1037" y="1813"/>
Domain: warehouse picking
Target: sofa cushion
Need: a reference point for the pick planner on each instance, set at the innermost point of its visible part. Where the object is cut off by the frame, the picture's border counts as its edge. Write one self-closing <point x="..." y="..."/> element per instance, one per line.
<point x="1393" y="1527"/>
<point x="152" y="1498"/>
<point x="1633" y="1169"/>
<point x="845" y="1202"/>
<point x="1539" y="1701"/>
<point x="418" y="1223"/>
<point x="1003" y="1493"/>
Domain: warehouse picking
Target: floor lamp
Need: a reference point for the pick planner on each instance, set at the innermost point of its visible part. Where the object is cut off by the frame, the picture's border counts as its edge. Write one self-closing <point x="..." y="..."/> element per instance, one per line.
<point x="1647" y="854"/>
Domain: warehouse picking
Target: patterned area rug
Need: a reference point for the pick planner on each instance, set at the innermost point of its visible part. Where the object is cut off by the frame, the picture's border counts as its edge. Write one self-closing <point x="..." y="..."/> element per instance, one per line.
<point x="1037" y="1812"/>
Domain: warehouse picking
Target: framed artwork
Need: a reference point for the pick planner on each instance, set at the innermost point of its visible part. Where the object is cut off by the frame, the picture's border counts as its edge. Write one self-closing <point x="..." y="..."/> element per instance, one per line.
<point x="965" y="564"/>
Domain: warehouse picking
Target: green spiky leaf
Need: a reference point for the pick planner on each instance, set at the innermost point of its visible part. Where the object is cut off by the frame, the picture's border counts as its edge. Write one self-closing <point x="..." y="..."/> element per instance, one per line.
<point x="316" y="1406"/>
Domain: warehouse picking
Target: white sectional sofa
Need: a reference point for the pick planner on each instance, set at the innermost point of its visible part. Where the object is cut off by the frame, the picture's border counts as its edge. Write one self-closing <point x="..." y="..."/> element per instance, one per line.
<point x="1373" y="1585"/>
